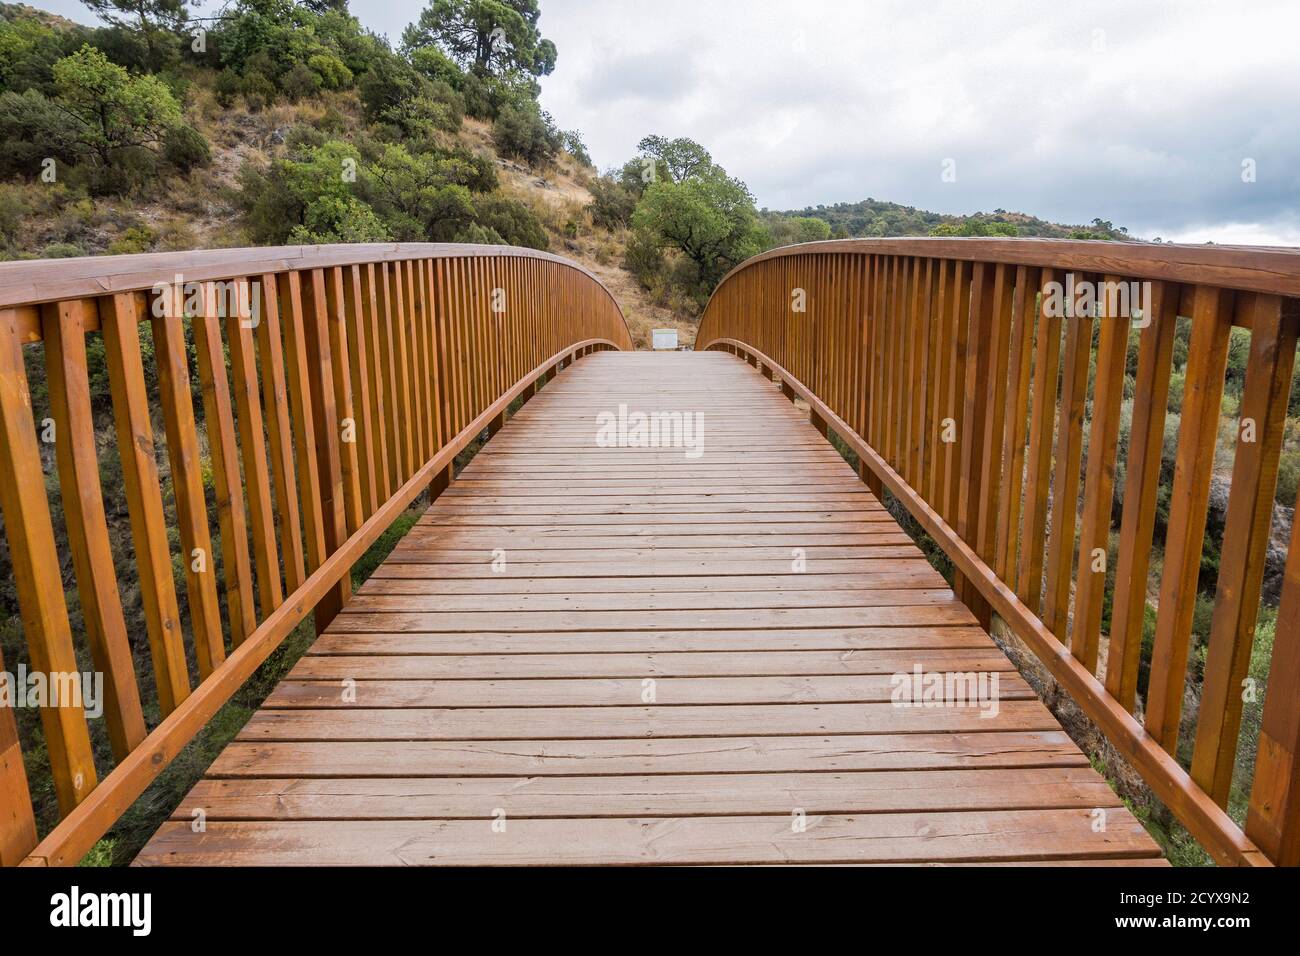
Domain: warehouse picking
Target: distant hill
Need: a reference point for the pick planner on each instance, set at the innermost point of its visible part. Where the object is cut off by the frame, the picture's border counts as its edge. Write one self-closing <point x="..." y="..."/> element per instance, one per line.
<point x="877" y="218"/>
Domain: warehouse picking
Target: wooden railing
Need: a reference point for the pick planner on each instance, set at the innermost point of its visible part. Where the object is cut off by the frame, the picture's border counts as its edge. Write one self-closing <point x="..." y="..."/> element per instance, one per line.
<point x="358" y="373"/>
<point x="938" y="362"/>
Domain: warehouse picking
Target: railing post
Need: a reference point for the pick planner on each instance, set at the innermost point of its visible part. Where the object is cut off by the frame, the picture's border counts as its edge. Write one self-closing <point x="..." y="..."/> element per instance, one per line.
<point x="819" y="423"/>
<point x="873" y="483"/>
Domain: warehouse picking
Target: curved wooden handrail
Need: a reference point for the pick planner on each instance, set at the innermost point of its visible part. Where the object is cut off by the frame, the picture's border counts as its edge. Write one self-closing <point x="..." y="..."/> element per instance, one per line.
<point x="337" y="384"/>
<point x="1274" y="269"/>
<point x="26" y="284"/>
<point x="938" y="361"/>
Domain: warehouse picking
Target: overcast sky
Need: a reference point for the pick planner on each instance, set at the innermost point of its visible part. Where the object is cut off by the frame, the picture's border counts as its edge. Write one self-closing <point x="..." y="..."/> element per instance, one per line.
<point x="1142" y="112"/>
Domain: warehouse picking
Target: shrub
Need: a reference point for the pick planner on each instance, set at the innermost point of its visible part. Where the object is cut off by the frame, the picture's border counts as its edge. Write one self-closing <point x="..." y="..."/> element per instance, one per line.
<point x="612" y="203"/>
<point x="513" y="221"/>
<point x="62" y="250"/>
<point x="643" y="258"/>
<point x="1288" y="478"/>
<point x="575" y="147"/>
<point x="134" y="240"/>
<point x="259" y="92"/>
<point x="184" y="148"/>
<point x="299" y="82"/>
<point x="33" y="128"/>
<point x="522" y="132"/>
<point x="228" y="86"/>
<point x="333" y="72"/>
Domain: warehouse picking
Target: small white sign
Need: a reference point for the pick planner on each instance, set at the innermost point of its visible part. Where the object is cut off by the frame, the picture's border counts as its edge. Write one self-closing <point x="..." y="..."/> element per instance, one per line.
<point x="665" y="338"/>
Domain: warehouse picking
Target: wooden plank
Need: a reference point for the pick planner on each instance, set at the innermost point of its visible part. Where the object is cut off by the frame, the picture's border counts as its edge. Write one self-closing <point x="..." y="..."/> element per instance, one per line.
<point x="86" y="524"/>
<point x="738" y="640"/>
<point x="610" y="692"/>
<point x="791" y="753"/>
<point x="751" y="663"/>
<point x="120" y="318"/>
<point x="686" y="795"/>
<point x="680" y="720"/>
<point x="30" y="535"/>
<point x="886" y="837"/>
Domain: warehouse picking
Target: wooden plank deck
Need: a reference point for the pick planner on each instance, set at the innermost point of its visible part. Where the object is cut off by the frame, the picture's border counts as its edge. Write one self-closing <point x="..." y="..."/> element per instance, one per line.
<point x="648" y="680"/>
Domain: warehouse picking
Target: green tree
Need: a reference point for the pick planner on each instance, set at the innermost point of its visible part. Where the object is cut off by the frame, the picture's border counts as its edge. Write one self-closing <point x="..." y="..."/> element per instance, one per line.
<point x="151" y="19"/>
<point x="110" y="110"/>
<point x="486" y="36"/>
<point x="709" y="218"/>
<point x="791" y="230"/>
<point x="682" y="157"/>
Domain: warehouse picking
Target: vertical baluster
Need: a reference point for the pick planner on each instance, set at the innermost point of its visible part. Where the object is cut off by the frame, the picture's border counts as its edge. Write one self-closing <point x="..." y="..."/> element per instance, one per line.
<point x="321" y="439"/>
<point x="1099" y="481"/>
<point x="336" y="328"/>
<point x="369" y="320"/>
<point x="1245" y="543"/>
<point x="187" y="485"/>
<point x="30" y="534"/>
<point x="220" y="425"/>
<point x="1047" y="368"/>
<point x="976" y="472"/>
<point x="957" y="344"/>
<point x="386" y="322"/>
<point x="85" y="521"/>
<point x="252" y="444"/>
<point x="120" y="319"/>
<point x="1207" y="361"/>
<point x="1141" y="488"/>
<point x="1017" y="422"/>
<point x="367" y="447"/>
<point x="278" y="429"/>
<point x="1273" y="820"/>
<point x="298" y="376"/>
<point x="1065" y="486"/>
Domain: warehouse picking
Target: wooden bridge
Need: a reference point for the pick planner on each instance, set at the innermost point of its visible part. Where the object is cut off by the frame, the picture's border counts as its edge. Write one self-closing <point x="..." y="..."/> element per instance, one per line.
<point x="658" y="618"/>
